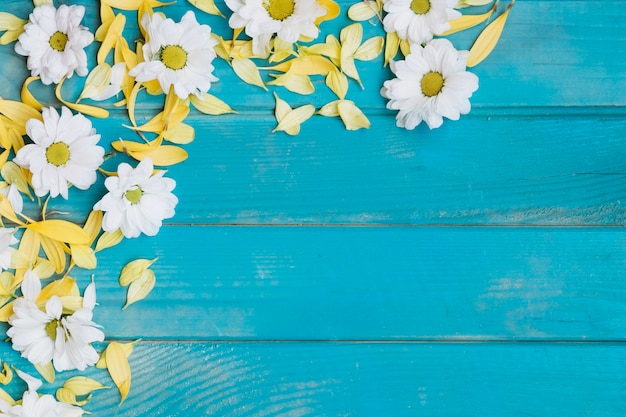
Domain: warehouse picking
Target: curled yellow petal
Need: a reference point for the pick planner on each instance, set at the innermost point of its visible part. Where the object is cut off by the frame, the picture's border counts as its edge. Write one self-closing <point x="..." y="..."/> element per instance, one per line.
<point x="119" y="369"/>
<point x="113" y="33"/>
<point x="209" y="104"/>
<point x="364" y="10"/>
<point x="248" y="72"/>
<point x="27" y="96"/>
<point x="109" y="239"/>
<point x="60" y="230"/>
<point x="140" y="288"/>
<point x="133" y="270"/>
<point x="330" y="109"/>
<point x="370" y="49"/>
<point x="93" y="224"/>
<point x="207" y="6"/>
<point x="127" y="348"/>
<point x="351" y="116"/>
<point x="64" y="287"/>
<point x="6" y="375"/>
<point x="66" y="396"/>
<point x="332" y="10"/>
<point x="487" y="39"/>
<point x="467" y="21"/>
<point x="81" y="108"/>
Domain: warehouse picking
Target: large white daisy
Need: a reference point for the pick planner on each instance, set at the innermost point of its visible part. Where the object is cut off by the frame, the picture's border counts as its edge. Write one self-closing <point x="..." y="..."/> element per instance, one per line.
<point x="138" y="200"/>
<point x="288" y="19"/>
<point x="50" y="335"/>
<point x="418" y="20"/>
<point x="54" y="42"/>
<point x="63" y="151"/>
<point x="431" y="83"/>
<point x="177" y="54"/>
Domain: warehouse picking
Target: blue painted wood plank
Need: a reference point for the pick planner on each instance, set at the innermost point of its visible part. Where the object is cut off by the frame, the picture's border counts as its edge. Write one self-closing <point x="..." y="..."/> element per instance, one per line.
<point x="371" y="283"/>
<point x="369" y="379"/>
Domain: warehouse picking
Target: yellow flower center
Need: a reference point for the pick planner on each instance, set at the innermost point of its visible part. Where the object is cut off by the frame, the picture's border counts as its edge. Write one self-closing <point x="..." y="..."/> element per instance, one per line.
<point x="279" y="9"/>
<point x="134" y="195"/>
<point x="51" y="329"/>
<point x="420" y="6"/>
<point x="58" y="41"/>
<point x="58" y="154"/>
<point x="432" y="83"/>
<point x="174" y="57"/>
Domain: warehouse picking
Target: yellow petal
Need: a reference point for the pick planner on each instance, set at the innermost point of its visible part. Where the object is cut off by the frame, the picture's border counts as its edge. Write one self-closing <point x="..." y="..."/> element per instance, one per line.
<point x="54" y="252"/>
<point x="140" y="288"/>
<point x="181" y="134"/>
<point x="488" y="39"/>
<point x="124" y="4"/>
<point x="109" y="239"/>
<point x="338" y="83"/>
<point x="164" y="155"/>
<point x="281" y="109"/>
<point x="133" y="270"/>
<point x="291" y="122"/>
<point x="127" y="348"/>
<point x="405" y="47"/>
<point x="38" y="3"/>
<point x="44" y="268"/>
<point x="350" y="38"/>
<point x="331" y="49"/>
<point x="351" y="116"/>
<point x="14" y="174"/>
<point x="306" y="65"/>
<point x="6" y="210"/>
<point x="10" y="36"/>
<point x="27" y="97"/>
<point x="106" y="17"/>
<point x="119" y="369"/>
<point x="209" y="104"/>
<point x="363" y="10"/>
<point x="281" y="50"/>
<point x="66" y="396"/>
<point x="60" y="230"/>
<point x="64" y="287"/>
<point x="6" y="311"/>
<point x="300" y="84"/>
<point x="97" y="80"/>
<point x="81" y="108"/>
<point x="468" y="3"/>
<point x="467" y="21"/>
<point x="370" y="49"/>
<point x="10" y="22"/>
<point x="207" y="6"/>
<point x="93" y="224"/>
<point x="81" y="385"/>
<point x="29" y="245"/>
<point x="46" y="371"/>
<point x="332" y="11"/>
<point x="330" y="109"/>
<point x="6" y="375"/>
<point x="19" y="113"/>
<point x="112" y="34"/>
<point x="83" y="256"/>
<point x="248" y="72"/>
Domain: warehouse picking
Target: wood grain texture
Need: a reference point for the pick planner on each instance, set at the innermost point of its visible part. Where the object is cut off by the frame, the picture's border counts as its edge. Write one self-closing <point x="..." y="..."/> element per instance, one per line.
<point x="366" y="283"/>
<point x="369" y="379"/>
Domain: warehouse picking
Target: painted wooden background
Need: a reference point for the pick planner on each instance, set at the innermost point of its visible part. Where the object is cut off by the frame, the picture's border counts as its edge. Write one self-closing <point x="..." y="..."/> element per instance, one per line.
<point x="475" y="270"/>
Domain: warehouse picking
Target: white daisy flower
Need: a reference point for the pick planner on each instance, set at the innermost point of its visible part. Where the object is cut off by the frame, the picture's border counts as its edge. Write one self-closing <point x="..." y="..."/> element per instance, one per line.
<point x="177" y="54"/>
<point x="6" y="240"/>
<point x="63" y="151"/>
<point x="50" y="335"/>
<point x="288" y="19"/>
<point x="418" y="20"/>
<point x="430" y="83"/>
<point x="138" y="201"/>
<point x="54" y="42"/>
<point x="34" y="405"/>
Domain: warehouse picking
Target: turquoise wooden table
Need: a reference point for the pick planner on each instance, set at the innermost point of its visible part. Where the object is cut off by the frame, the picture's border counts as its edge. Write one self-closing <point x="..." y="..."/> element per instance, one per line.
<point x="478" y="269"/>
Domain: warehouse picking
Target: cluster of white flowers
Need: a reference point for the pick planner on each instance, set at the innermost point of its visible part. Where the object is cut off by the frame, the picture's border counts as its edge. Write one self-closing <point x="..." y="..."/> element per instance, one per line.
<point x="432" y="81"/>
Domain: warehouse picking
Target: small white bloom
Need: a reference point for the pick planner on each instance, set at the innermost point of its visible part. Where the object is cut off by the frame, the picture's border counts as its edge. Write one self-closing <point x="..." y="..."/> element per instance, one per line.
<point x="34" y="405"/>
<point x="288" y="19"/>
<point x="138" y="201"/>
<point x="54" y="42"/>
<point x="418" y="20"/>
<point x="6" y="240"/>
<point x="50" y="335"/>
<point x="177" y="54"/>
<point x="64" y="150"/>
<point x="430" y="83"/>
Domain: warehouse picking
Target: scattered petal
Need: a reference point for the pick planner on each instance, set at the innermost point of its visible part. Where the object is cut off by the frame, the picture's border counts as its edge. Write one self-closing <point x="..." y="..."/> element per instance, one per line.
<point x="140" y="288"/>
